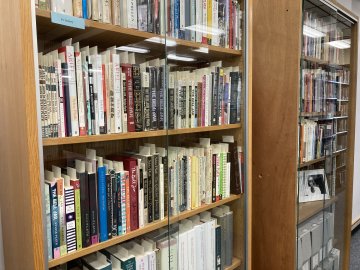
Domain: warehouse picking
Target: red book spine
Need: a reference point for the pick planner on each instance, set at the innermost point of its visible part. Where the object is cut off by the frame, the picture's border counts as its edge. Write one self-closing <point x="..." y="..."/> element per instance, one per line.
<point x="127" y="203"/>
<point x="127" y="69"/>
<point x="130" y="165"/>
<point x="231" y="24"/>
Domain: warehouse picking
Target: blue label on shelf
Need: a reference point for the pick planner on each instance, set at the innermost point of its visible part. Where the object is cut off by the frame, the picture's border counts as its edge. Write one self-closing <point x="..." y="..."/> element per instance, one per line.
<point x="67" y="20"/>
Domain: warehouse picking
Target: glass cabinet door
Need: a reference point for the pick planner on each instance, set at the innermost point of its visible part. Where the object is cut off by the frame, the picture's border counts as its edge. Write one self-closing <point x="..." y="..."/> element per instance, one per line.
<point x="323" y="131"/>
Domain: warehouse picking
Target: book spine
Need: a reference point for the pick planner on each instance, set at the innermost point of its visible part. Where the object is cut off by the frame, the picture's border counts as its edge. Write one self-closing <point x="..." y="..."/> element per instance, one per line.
<point x="150" y="192"/>
<point x="234" y="81"/>
<point x="55" y="226"/>
<point x="61" y="105"/>
<point x="116" y="12"/>
<point x="150" y="18"/>
<point x="118" y="203"/>
<point x="209" y="20"/>
<point x="77" y="8"/>
<point x="161" y="98"/>
<point x="84" y="9"/>
<point x="125" y="103"/>
<point x="156" y="188"/>
<point x="106" y="11"/>
<point x="166" y="185"/>
<point x="138" y="102"/>
<point x="109" y="204"/>
<point x="62" y="215"/>
<point x="156" y="11"/>
<point x="76" y="185"/>
<point x="213" y="196"/>
<point x="127" y="69"/>
<point x="140" y="176"/>
<point x="66" y="98"/>
<point x="42" y="86"/>
<point x="110" y="99"/>
<point x="70" y="219"/>
<point x="85" y="212"/>
<point x="125" y="201"/>
<point x="92" y="123"/>
<point x="145" y="88"/>
<point x="218" y="261"/>
<point x="214" y="102"/>
<point x="102" y="101"/>
<point x="142" y="15"/>
<point x="161" y="192"/>
<point x="132" y="14"/>
<point x="48" y="222"/>
<point x="145" y="187"/>
<point x="134" y="214"/>
<point x="93" y="202"/>
<point x="80" y="95"/>
<point x="54" y="102"/>
<point x="153" y="99"/>
<point x="49" y="127"/>
<point x="171" y="110"/>
<point x="177" y="18"/>
<point x="117" y="94"/>
<point x="102" y="200"/>
<point x="220" y="119"/>
<point x="114" y="204"/>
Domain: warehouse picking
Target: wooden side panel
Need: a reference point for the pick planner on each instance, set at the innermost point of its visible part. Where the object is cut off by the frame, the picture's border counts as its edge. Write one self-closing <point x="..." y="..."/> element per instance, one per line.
<point x="350" y="147"/>
<point x="276" y="72"/>
<point x="20" y="196"/>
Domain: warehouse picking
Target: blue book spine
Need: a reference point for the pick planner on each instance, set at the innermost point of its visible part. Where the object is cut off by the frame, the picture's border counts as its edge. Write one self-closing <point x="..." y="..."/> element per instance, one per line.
<point x="48" y="221"/>
<point x="84" y="9"/>
<point x="102" y="204"/>
<point x="177" y="18"/>
<point x="55" y="225"/>
<point x="118" y="201"/>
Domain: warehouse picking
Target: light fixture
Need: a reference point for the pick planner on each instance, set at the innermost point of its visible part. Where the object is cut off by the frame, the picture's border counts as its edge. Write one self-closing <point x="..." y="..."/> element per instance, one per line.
<point x="202" y="50"/>
<point x="167" y="42"/>
<point x="311" y="32"/>
<point x="341" y="44"/>
<point x="132" y="49"/>
<point x="180" y="58"/>
<point x="205" y="29"/>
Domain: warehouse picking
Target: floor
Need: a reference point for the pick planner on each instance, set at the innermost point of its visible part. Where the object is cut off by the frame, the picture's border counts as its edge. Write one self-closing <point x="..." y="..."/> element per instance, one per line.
<point x="355" y="250"/>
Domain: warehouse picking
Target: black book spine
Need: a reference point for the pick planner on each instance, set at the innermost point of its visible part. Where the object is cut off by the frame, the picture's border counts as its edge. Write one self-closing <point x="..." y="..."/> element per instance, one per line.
<point x="93" y="207"/>
<point x="235" y="184"/>
<point x="215" y="98"/>
<point x="213" y="185"/>
<point x="85" y="211"/>
<point x="220" y="98"/>
<point x="145" y="186"/>
<point x="171" y="108"/>
<point x="182" y="104"/>
<point x="65" y="79"/>
<point x="138" y="102"/>
<point x="153" y="99"/>
<point x="114" y="203"/>
<point x="218" y="262"/>
<point x="150" y="190"/>
<point x="161" y="105"/>
<point x="196" y="105"/>
<point x="109" y="204"/>
<point x="150" y="17"/>
<point x="166" y="184"/>
<point x="124" y="101"/>
<point x="146" y="100"/>
<point x="234" y="76"/>
<point x="184" y="177"/>
<point x="118" y="203"/>
<point x="156" y="188"/>
<point x="92" y="97"/>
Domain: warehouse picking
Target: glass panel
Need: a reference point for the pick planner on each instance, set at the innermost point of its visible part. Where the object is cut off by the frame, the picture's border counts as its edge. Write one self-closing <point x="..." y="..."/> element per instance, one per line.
<point x="323" y="116"/>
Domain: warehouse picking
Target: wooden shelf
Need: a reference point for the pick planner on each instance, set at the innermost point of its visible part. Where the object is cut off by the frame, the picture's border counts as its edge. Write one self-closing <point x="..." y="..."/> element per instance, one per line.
<point x="148" y="228"/>
<point x="106" y="35"/>
<point x="339" y="152"/>
<point x="133" y="135"/>
<point x="305" y="164"/>
<point x="235" y="264"/>
<point x="309" y="209"/>
<point x="322" y="62"/>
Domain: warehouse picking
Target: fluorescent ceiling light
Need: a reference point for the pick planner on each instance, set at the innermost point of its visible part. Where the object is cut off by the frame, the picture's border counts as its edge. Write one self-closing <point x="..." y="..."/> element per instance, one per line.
<point x="180" y="58"/>
<point x="311" y="32"/>
<point x="340" y="44"/>
<point x="204" y="29"/>
<point x="133" y="49"/>
<point x="169" y="43"/>
<point x="202" y="50"/>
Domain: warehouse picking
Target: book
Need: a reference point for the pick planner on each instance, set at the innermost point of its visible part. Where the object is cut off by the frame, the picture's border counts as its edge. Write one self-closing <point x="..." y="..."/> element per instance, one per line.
<point x="127" y="70"/>
<point x="102" y="201"/>
<point x="48" y="222"/>
<point x="138" y="98"/>
<point x="70" y="215"/>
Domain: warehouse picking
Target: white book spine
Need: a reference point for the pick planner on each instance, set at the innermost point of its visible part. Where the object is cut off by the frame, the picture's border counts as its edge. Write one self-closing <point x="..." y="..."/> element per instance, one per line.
<point x="124" y="13"/>
<point x="124" y="113"/>
<point x="117" y="93"/>
<point x="72" y="91"/>
<point x="187" y="108"/>
<point x="85" y="75"/>
<point x="228" y="173"/>
<point x="55" y="100"/>
<point x="162" y="18"/>
<point x="192" y="107"/>
<point x="161" y="186"/>
<point x="199" y="20"/>
<point x="77" y="8"/>
<point x="106" y="11"/>
<point x="204" y="18"/>
<point x="215" y="15"/>
<point x="95" y="10"/>
<point x="116" y="12"/>
<point x="208" y="184"/>
<point x="189" y="191"/>
<point x="182" y="15"/>
<point x="62" y="7"/>
<point x="99" y="81"/>
<point x="47" y="102"/>
<point x="80" y="92"/>
<point x="132" y="14"/>
<point x="100" y="7"/>
<point x="140" y="197"/>
<point x="93" y="60"/>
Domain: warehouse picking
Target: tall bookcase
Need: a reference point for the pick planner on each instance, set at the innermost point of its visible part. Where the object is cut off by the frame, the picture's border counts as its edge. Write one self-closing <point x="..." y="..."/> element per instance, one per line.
<point x="26" y="153"/>
<point x="303" y="163"/>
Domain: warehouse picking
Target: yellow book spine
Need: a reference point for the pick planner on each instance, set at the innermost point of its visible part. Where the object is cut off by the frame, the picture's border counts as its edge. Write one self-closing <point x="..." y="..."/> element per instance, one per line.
<point x="209" y="21"/>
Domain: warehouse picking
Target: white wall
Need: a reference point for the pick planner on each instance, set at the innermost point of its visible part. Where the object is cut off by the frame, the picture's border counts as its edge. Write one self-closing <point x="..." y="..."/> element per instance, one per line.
<point x="354" y="6"/>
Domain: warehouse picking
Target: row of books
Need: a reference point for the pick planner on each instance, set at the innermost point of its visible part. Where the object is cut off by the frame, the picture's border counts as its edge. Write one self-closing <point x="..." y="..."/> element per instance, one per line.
<point x="200" y="242"/>
<point x="210" y="22"/>
<point x="320" y="91"/>
<point x="315" y="139"/>
<point x="318" y="34"/>
<point x="92" y="199"/>
<point x="85" y="92"/>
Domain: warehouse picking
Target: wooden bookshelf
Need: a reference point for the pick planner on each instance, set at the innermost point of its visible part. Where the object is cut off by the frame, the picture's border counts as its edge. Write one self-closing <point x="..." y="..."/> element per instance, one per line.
<point x="309" y="209"/>
<point x="133" y="135"/>
<point x="146" y="229"/>
<point x="107" y="35"/>
<point x="311" y="162"/>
